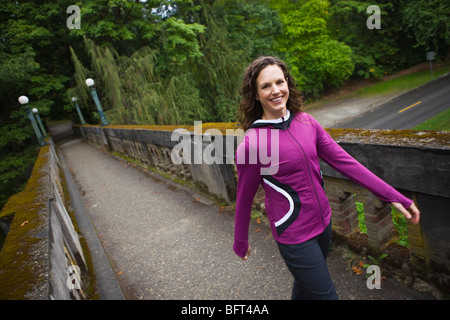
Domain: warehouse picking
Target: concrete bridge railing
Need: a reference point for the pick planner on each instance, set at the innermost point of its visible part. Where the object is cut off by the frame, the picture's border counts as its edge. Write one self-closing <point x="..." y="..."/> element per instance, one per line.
<point x="42" y="257"/>
<point x="415" y="163"/>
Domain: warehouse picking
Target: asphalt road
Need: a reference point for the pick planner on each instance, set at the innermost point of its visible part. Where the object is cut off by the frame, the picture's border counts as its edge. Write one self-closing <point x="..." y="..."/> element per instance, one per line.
<point x="407" y="110"/>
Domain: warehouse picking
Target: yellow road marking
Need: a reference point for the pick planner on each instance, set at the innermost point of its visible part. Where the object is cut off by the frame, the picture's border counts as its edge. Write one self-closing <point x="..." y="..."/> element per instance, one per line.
<point x="415" y="104"/>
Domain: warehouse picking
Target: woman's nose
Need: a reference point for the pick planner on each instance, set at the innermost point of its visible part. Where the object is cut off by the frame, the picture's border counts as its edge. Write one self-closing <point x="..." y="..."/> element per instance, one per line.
<point x="275" y="89"/>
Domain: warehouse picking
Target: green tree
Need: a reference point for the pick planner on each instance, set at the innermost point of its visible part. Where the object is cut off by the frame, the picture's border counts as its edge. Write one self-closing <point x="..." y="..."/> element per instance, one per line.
<point x="29" y="29"/>
<point x="408" y="30"/>
<point x="137" y="53"/>
<point x="375" y="52"/>
<point x="428" y="24"/>
<point x="134" y="91"/>
<point x="317" y="60"/>
<point x="121" y="24"/>
<point x="32" y="51"/>
<point x="236" y="32"/>
<point x="188" y="67"/>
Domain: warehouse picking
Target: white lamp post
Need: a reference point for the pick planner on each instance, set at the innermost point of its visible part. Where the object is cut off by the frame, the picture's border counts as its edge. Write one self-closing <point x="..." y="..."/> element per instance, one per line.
<point x="38" y="118"/>
<point x="23" y="100"/>
<point x="90" y="83"/>
<point x="74" y="100"/>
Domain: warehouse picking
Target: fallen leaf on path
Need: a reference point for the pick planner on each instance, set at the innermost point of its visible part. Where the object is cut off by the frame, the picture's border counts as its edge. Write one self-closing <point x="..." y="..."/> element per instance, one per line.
<point x="357" y="270"/>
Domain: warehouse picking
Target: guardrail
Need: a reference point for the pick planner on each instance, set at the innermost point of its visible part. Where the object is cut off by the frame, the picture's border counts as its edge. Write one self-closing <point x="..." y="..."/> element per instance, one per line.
<point x="42" y="257"/>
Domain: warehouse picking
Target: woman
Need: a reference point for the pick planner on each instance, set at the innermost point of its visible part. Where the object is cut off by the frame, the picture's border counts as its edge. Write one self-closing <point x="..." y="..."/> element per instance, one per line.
<point x="295" y="200"/>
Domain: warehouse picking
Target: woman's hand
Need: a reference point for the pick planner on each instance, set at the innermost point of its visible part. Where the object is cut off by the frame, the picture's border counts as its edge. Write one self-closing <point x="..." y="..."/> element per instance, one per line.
<point x="246" y="254"/>
<point x="412" y="214"/>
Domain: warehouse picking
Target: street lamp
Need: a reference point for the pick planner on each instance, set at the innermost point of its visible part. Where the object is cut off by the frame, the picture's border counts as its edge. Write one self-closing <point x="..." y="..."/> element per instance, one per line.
<point x="74" y="100"/>
<point x="90" y="83"/>
<point x="23" y="100"/>
<point x="38" y="118"/>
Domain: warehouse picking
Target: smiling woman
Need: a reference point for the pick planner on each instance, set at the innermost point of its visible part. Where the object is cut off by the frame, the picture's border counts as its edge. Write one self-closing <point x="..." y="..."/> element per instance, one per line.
<point x="295" y="200"/>
<point x="272" y="92"/>
<point x="257" y="86"/>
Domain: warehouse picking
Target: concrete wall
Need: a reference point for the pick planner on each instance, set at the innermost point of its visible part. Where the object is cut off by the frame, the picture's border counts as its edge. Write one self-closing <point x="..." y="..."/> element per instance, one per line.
<point x="42" y="258"/>
<point x="415" y="163"/>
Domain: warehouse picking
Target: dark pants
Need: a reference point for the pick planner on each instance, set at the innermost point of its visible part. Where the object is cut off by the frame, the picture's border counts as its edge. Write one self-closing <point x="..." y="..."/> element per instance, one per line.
<point x="307" y="263"/>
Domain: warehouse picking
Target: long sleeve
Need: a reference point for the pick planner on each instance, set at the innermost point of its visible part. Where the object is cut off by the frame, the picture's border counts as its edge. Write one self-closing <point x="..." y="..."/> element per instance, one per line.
<point x="329" y="151"/>
<point x="249" y="177"/>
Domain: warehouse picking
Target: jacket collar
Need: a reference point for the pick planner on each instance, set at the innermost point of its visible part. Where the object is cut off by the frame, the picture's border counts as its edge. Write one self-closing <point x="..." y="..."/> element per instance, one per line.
<point x="280" y="123"/>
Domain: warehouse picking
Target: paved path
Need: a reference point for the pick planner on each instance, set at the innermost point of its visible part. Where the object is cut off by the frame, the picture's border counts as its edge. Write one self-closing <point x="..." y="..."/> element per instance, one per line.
<point x="162" y="243"/>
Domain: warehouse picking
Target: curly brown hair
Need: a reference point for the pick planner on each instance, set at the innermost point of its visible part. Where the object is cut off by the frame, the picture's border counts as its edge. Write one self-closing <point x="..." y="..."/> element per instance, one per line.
<point x="250" y="109"/>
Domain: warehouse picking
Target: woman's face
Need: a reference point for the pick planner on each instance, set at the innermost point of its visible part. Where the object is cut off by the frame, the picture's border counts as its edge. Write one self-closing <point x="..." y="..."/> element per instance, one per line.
<point x="272" y="92"/>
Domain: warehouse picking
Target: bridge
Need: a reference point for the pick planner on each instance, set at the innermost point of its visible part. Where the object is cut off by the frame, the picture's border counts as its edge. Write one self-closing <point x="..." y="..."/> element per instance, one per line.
<point x="108" y="215"/>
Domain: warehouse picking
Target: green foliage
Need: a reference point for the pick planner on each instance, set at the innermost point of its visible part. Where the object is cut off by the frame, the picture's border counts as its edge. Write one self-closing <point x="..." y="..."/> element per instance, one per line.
<point x="16" y="67"/>
<point x="408" y="30"/>
<point x="26" y="68"/>
<point x="80" y="90"/>
<point x="192" y="70"/>
<point x="132" y="91"/>
<point x="179" y="41"/>
<point x="18" y="156"/>
<point x="375" y="261"/>
<point x="154" y="99"/>
<point x="399" y="221"/>
<point x="236" y="33"/>
<point x="120" y="23"/>
<point x="428" y="23"/>
<point x="317" y="60"/>
<point x="361" y="217"/>
<point x="218" y="71"/>
<point x="15" y="168"/>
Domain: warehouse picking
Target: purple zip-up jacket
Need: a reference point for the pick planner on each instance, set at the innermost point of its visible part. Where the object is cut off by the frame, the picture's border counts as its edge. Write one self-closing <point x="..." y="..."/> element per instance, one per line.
<point x="295" y="200"/>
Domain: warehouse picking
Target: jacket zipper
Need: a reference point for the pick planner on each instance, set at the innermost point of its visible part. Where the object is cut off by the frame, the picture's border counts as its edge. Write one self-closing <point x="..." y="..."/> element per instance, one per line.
<point x="309" y="172"/>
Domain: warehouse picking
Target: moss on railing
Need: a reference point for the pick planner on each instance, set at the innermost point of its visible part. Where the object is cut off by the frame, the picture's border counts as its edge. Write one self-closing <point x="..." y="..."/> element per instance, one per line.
<point x="20" y="272"/>
<point x="439" y="139"/>
<point x="435" y="139"/>
<point x="221" y="126"/>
